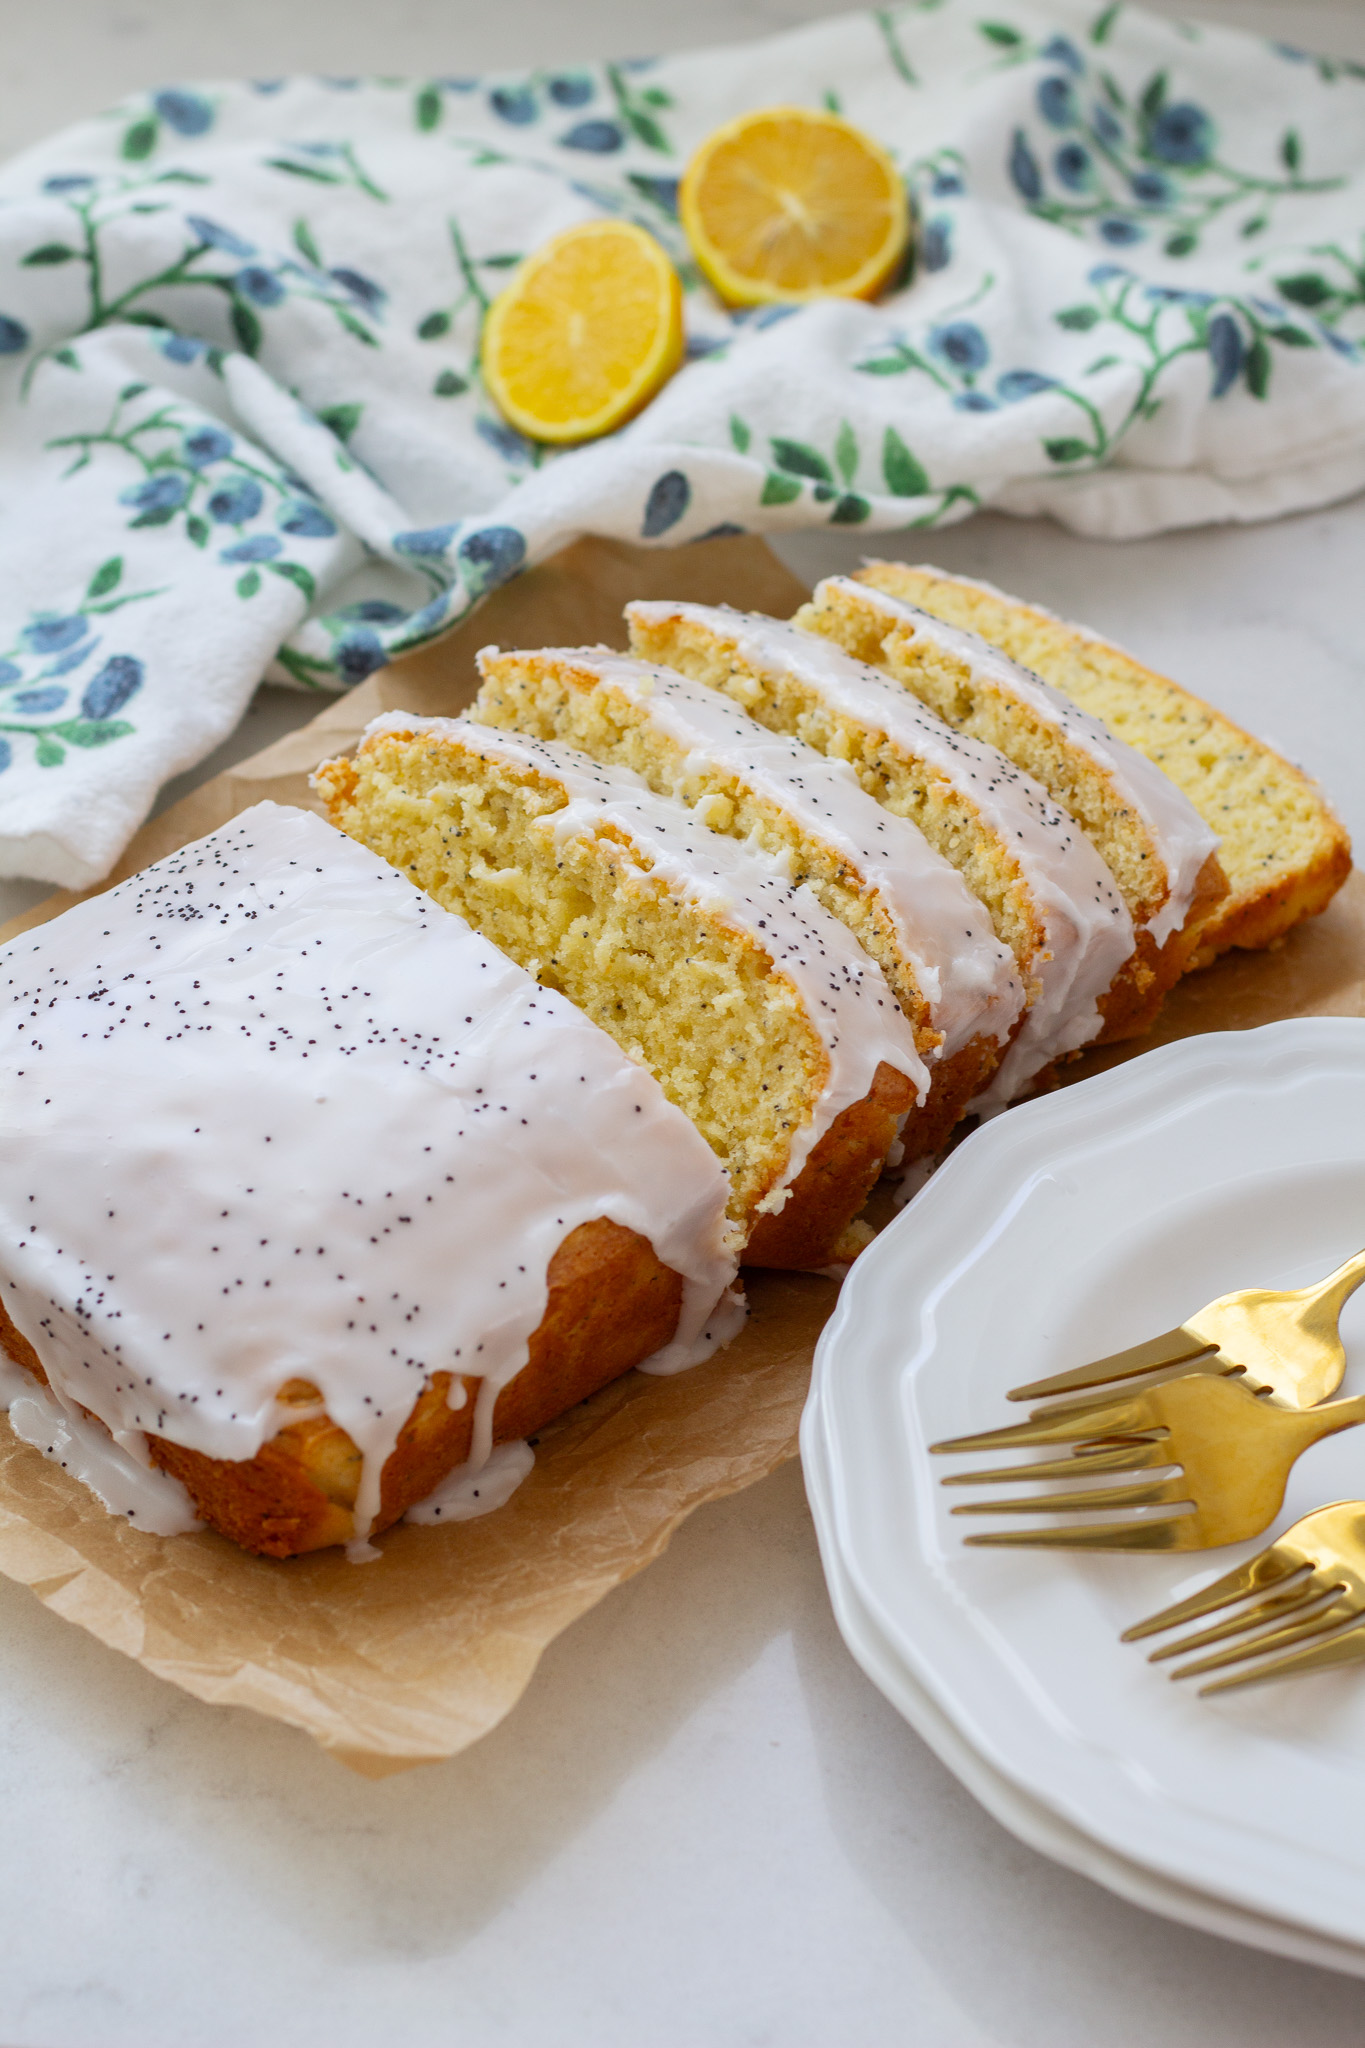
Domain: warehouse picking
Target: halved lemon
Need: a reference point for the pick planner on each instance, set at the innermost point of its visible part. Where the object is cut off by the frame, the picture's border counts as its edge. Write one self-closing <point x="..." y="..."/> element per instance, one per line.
<point x="790" y="204"/>
<point x="586" y="332"/>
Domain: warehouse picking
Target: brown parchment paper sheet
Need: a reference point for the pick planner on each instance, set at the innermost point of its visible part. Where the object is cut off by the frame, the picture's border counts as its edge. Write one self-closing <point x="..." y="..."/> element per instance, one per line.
<point x="409" y="1660"/>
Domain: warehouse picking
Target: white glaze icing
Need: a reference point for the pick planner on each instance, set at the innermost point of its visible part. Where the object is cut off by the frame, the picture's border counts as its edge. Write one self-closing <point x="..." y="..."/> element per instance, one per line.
<point x="473" y="1490"/>
<point x="149" y="1499"/>
<point x="1089" y="933"/>
<point x="724" y="1324"/>
<point x="13" y="1380"/>
<point x="967" y="977"/>
<point x="844" y="992"/>
<point x="1181" y="837"/>
<point x="272" y="1113"/>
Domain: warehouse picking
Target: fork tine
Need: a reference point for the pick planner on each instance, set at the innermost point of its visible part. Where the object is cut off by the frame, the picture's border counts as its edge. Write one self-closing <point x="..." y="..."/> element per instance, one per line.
<point x="1268" y="1568"/>
<point x="1162" y="1534"/>
<point x="1126" y="1415"/>
<point x="1173" y="1347"/>
<point x="1346" y="1648"/>
<point x="1273" y="1609"/>
<point x="1159" y="1493"/>
<point x="1123" y="1457"/>
<point x="1321" y="1621"/>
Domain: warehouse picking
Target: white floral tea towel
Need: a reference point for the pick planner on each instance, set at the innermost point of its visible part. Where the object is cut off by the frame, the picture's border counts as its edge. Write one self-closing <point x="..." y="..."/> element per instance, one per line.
<point x="241" y="425"/>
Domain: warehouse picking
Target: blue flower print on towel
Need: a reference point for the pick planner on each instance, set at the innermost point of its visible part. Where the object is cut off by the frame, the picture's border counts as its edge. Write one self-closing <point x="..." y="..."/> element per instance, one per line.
<point x="962" y="344"/>
<point x="197" y="477"/>
<point x="34" y="714"/>
<point x="636" y="111"/>
<point x="188" y="113"/>
<point x="237" y="502"/>
<point x="1154" y="326"/>
<point x="214" y="258"/>
<point x="358" y="652"/>
<point x="214" y="236"/>
<point x="303" y="517"/>
<point x="107" y="692"/>
<point x="1135" y="161"/>
<point x="1182" y="135"/>
<point x="205" y="445"/>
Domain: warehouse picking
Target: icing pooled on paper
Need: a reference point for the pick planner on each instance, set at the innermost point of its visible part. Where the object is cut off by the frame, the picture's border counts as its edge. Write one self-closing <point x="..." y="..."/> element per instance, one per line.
<point x="472" y="1490"/>
<point x="151" y="1500"/>
<point x="271" y="1113"/>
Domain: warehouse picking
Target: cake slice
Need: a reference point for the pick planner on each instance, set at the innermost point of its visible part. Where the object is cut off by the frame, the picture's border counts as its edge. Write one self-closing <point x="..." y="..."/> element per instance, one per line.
<point x="1159" y="850"/>
<point x="1048" y="894"/>
<point x="755" y="1009"/>
<point x="907" y="906"/>
<point x="1283" y="850"/>
<point x="312" y="1195"/>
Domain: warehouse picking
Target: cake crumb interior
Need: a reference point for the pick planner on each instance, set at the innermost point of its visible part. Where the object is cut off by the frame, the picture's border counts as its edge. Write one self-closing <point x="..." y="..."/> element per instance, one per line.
<point x="686" y="994"/>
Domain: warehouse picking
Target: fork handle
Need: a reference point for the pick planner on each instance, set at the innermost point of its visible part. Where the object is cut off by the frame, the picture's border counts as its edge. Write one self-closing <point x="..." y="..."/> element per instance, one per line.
<point x="1328" y="1418"/>
<point x="1335" y="1291"/>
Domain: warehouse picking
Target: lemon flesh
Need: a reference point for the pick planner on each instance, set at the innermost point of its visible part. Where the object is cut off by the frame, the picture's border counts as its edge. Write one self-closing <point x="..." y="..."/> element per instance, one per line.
<point x="585" y="334"/>
<point x="791" y="204"/>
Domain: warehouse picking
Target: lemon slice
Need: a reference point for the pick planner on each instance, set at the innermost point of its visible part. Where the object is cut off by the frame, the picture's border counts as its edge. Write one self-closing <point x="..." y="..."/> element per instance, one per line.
<point x="789" y="204"/>
<point x="586" y="332"/>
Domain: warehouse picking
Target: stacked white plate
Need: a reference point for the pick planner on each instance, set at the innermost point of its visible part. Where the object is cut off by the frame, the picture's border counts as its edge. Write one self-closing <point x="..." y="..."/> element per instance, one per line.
<point x="1065" y="1230"/>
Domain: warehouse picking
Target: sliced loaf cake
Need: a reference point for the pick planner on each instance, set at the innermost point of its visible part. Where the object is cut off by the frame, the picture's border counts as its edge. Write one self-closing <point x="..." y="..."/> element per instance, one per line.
<point x="1283" y="850"/>
<point x="1050" y="897"/>
<point x="907" y="906"/>
<point x="1161" y="853"/>
<point x="755" y="1009"/>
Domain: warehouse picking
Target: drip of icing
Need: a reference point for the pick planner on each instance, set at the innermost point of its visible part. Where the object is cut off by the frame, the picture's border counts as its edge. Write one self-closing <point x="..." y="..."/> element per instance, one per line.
<point x="271" y="1113"/>
<point x="1089" y="933"/>
<point x="1182" y="839"/>
<point x="845" y="995"/>
<point x="727" y="1320"/>
<point x="473" y="1490"/>
<point x="13" y="1380"/>
<point x="150" y="1500"/>
<point x="967" y="977"/>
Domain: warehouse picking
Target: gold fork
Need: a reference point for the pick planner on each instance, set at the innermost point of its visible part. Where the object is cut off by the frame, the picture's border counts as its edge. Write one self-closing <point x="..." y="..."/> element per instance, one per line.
<point x="1312" y="1615"/>
<point x="1282" y="1341"/>
<point x="1233" y="1451"/>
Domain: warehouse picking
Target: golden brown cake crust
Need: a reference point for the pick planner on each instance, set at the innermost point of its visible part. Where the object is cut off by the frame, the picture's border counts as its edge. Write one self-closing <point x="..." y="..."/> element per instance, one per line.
<point x="611" y="1303"/>
<point x="955" y="1081"/>
<point x="1131" y="1005"/>
<point x="1255" y="921"/>
<point x="835" y="1181"/>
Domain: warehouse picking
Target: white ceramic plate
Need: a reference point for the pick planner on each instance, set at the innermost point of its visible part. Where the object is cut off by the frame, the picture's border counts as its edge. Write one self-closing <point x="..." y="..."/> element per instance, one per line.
<point x="1033" y="1823"/>
<point x="1068" y="1228"/>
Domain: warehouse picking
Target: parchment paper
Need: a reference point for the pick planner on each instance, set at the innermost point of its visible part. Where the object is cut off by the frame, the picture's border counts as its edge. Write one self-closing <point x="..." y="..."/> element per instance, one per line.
<point x="409" y="1660"/>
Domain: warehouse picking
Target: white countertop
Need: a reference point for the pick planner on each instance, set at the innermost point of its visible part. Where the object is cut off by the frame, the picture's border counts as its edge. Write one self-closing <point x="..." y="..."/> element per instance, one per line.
<point x="702" y="1825"/>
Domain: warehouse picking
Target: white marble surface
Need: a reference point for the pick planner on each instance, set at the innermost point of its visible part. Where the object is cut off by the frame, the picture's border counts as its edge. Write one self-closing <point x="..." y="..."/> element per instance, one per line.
<point x="702" y="1825"/>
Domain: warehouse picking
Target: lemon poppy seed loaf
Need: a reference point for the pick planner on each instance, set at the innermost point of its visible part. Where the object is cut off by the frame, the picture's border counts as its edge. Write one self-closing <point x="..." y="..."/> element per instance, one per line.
<point x="1161" y="853"/>
<point x="312" y="1195"/>
<point x="755" y="1009"/>
<point x="1282" y="848"/>
<point x="1050" y="898"/>
<point x="876" y="872"/>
